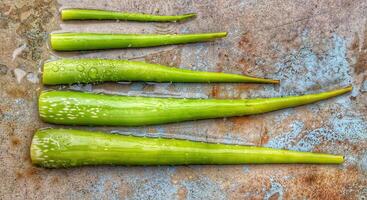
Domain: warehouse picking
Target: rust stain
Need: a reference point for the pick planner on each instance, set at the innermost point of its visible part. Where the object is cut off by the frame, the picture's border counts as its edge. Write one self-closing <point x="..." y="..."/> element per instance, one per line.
<point x="55" y="180"/>
<point x="249" y="188"/>
<point x="321" y="185"/>
<point x="149" y="88"/>
<point x="27" y="157"/>
<point x="251" y="126"/>
<point x="274" y="196"/>
<point x="33" y="174"/>
<point x="182" y="193"/>
<point x="15" y="141"/>
<point x="364" y="46"/>
<point x="251" y="122"/>
<point x="5" y="8"/>
<point x="124" y="190"/>
<point x="245" y="42"/>
<point x="17" y="92"/>
<point x="32" y="171"/>
<point x="250" y="49"/>
<point x="183" y="172"/>
<point x="224" y="60"/>
<point x="10" y="127"/>
<point x="361" y="64"/>
<point x="18" y="175"/>
<point x="309" y="179"/>
<point x="247" y="86"/>
<point x="264" y="137"/>
<point x="215" y="91"/>
<point x="355" y="43"/>
<point x="245" y="63"/>
<point x="219" y="68"/>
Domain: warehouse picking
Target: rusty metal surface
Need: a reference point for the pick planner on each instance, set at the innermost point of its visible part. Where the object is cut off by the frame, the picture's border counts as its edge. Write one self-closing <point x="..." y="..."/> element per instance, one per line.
<point x="311" y="45"/>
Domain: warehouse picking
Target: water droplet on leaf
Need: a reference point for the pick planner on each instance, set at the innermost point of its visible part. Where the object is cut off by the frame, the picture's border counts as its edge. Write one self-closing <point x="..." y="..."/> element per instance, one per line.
<point x="55" y="68"/>
<point x="93" y="72"/>
<point x="80" y="68"/>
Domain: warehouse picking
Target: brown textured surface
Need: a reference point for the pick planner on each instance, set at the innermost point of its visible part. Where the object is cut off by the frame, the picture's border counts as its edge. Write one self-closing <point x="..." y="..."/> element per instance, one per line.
<point x="310" y="45"/>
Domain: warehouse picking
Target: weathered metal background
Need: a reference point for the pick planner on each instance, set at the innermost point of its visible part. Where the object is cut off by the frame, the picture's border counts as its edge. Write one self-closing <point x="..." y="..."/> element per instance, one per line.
<point x="311" y="45"/>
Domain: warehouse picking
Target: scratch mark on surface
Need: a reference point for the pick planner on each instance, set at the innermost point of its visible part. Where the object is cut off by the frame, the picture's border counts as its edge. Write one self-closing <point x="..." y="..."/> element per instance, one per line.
<point x="295" y="21"/>
<point x="325" y="12"/>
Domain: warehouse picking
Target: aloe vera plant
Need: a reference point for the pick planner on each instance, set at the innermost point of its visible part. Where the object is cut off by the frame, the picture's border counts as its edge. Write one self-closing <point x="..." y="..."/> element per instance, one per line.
<point x="79" y="108"/>
<point x="94" y="41"/>
<point x="67" y="71"/>
<point x="55" y="148"/>
<point x="87" y="14"/>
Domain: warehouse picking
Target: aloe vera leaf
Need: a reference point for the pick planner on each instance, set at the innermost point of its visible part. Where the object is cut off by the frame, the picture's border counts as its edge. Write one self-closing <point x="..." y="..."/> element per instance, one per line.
<point x="80" y="108"/>
<point x="56" y="148"/>
<point x="68" y="71"/>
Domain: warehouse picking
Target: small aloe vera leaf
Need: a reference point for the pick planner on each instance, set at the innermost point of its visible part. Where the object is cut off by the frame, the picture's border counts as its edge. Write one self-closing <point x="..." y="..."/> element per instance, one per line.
<point x="88" y="14"/>
<point x="95" y="41"/>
